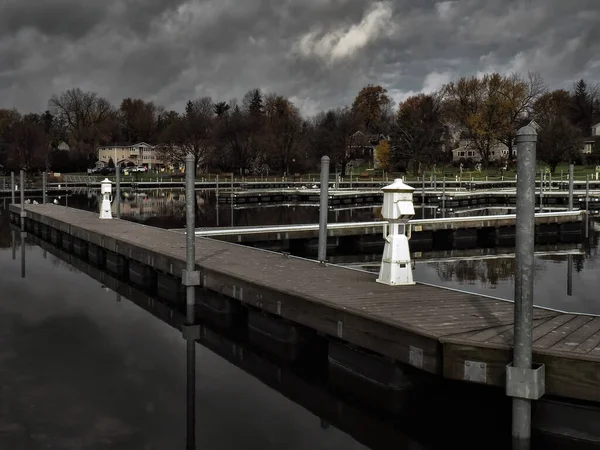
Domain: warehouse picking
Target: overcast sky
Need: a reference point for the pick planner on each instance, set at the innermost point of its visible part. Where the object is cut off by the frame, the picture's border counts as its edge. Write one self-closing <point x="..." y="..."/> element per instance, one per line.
<point x="319" y="53"/>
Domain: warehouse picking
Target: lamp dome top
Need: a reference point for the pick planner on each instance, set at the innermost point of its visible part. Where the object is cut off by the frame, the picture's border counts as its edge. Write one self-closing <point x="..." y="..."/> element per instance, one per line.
<point x="398" y="186"/>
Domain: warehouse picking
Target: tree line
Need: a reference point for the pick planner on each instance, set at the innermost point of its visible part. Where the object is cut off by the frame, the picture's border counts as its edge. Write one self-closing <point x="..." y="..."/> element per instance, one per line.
<point x="265" y="133"/>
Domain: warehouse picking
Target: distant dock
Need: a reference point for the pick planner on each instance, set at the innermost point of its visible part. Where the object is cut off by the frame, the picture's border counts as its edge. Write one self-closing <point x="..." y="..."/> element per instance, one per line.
<point x="362" y="235"/>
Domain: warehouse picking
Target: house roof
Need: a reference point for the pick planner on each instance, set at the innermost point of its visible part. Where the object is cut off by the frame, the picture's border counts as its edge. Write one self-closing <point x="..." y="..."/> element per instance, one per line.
<point x="126" y="144"/>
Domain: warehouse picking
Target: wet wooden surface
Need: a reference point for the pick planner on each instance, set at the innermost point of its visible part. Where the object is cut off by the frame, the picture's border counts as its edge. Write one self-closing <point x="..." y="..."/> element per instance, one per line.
<point x="448" y="327"/>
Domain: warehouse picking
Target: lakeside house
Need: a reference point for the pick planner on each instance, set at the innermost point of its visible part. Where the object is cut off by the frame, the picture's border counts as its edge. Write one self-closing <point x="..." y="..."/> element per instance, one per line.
<point x="141" y="153"/>
<point x="498" y="150"/>
<point x="589" y="141"/>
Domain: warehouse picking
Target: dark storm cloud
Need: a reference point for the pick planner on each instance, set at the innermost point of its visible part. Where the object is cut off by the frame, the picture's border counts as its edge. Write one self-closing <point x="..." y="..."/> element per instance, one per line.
<point x="67" y="18"/>
<point x="317" y="52"/>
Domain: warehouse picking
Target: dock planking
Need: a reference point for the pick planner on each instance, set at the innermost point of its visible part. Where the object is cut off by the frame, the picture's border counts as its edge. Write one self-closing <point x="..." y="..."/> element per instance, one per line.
<point x="435" y="329"/>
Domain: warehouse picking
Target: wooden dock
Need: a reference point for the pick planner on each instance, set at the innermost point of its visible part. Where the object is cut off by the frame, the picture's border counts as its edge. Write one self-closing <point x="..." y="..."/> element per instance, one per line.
<point x="449" y="333"/>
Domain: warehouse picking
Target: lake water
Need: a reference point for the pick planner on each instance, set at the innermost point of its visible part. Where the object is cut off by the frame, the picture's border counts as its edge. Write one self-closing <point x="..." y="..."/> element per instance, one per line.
<point x="84" y="369"/>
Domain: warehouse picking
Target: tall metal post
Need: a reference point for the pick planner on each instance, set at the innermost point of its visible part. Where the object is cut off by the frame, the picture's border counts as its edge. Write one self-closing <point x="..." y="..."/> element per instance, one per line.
<point x="23" y="236"/>
<point x="587" y="193"/>
<point x="118" y="190"/>
<point x="570" y="275"/>
<point x="423" y="198"/>
<point x="444" y="196"/>
<point x="524" y="273"/>
<point x="571" y="167"/>
<point x="323" y="209"/>
<point x="12" y="187"/>
<point x="191" y="279"/>
<point x="44" y="187"/>
<point x="231" y="201"/>
<point x="22" y="188"/>
<point x="587" y="206"/>
<point x="541" y="190"/>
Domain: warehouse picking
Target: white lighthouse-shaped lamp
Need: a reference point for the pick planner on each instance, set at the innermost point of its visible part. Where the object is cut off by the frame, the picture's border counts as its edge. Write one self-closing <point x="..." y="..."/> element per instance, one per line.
<point x="397" y="210"/>
<point x="106" y="191"/>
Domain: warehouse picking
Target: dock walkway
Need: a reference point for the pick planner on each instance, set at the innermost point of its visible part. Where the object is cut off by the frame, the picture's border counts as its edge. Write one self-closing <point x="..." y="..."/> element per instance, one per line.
<point x="450" y="333"/>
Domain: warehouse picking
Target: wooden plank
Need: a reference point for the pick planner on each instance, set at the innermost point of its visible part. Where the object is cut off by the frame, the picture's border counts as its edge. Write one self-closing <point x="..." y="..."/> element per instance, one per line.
<point x="561" y="332"/>
<point x="583" y="338"/>
<point x="540" y="330"/>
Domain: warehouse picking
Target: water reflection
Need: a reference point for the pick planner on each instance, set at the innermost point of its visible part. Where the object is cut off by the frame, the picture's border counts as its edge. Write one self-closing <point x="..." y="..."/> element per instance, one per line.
<point x="165" y="208"/>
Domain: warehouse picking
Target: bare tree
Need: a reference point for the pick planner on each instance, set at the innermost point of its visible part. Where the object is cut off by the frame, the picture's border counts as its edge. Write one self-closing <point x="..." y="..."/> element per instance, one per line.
<point x="138" y="120"/>
<point x="190" y="133"/>
<point x="90" y="119"/>
<point x="283" y="130"/>
<point x="519" y="96"/>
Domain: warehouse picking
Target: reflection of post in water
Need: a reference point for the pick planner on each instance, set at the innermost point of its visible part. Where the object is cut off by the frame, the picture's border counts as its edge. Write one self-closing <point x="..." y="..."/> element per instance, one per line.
<point x="570" y="275"/>
<point x="190" y="278"/>
<point x="23" y="236"/>
<point x="14" y="244"/>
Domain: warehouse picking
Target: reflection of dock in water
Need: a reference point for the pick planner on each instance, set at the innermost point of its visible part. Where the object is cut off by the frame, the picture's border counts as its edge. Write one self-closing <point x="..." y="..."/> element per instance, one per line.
<point x="454" y="255"/>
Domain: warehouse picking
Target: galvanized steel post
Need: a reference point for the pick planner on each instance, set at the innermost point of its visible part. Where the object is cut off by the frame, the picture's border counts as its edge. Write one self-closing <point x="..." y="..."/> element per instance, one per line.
<point x="22" y="183"/>
<point x="423" y="198"/>
<point x="323" y="209"/>
<point x="524" y="273"/>
<point x="541" y="190"/>
<point x="191" y="279"/>
<point x="44" y="187"/>
<point x="587" y="193"/>
<point x="118" y="190"/>
<point x="570" y="275"/>
<point x="444" y="196"/>
<point x="587" y="206"/>
<point x="23" y="237"/>
<point x="12" y="187"/>
<point x="571" y="167"/>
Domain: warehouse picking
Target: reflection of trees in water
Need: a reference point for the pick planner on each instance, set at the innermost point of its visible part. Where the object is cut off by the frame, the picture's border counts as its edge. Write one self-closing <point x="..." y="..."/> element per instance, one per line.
<point x="166" y="209"/>
<point x="484" y="271"/>
<point x="487" y="272"/>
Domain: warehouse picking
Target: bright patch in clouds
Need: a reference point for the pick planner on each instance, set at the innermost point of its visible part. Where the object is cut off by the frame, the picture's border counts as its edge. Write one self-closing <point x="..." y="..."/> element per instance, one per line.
<point x="345" y="42"/>
<point x="445" y="10"/>
<point x="432" y="82"/>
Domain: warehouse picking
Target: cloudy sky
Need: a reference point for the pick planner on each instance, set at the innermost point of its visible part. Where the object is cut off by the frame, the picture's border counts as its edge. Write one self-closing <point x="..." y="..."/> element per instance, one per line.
<point x="319" y="53"/>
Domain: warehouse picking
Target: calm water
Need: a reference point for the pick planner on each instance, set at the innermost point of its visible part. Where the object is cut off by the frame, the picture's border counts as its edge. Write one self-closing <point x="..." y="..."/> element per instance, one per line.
<point x="81" y="369"/>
